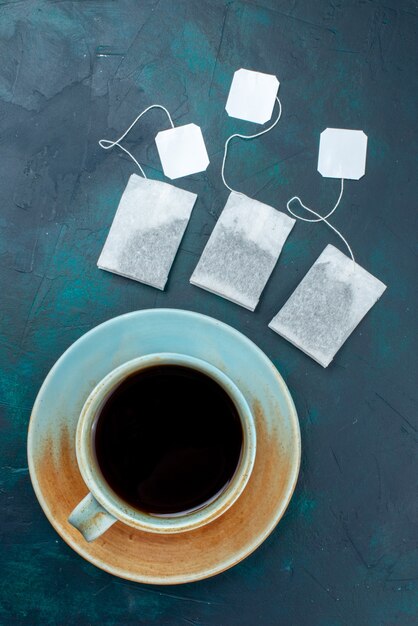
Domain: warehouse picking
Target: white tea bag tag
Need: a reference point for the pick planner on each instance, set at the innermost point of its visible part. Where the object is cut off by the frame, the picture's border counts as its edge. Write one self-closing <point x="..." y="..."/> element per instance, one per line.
<point x="252" y="96"/>
<point x="146" y="232"/>
<point x="327" y="305"/>
<point x="342" y="153"/>
<point x="182" y="151"/>
<point x="242" y="250"/>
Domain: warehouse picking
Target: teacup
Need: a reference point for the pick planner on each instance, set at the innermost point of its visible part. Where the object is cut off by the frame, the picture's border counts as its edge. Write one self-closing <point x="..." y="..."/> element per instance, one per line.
<point x="102" y="506"/>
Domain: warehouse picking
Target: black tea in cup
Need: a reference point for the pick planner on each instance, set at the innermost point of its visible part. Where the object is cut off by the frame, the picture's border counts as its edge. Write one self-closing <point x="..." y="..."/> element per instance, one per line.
<point x="168" y="439"/>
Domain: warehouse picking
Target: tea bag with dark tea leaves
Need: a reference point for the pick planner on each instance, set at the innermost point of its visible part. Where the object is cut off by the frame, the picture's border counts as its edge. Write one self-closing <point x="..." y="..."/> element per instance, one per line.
<point x="248" y="237"/>
<point x="327" y="305"/>
<point x="242" y="250"/>
<point x="147" y="229"/>
<point x="152" y="216"/>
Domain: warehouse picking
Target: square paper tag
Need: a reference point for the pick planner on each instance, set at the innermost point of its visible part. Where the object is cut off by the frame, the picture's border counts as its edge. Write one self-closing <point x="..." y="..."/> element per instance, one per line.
<point x="327" y="305"/>
<point x="342" y="153"/>
<point x="242" y="250"/>
<point x="182" y="151"/>
<point x="146" y="232"/>
<point x="252" y="96"/>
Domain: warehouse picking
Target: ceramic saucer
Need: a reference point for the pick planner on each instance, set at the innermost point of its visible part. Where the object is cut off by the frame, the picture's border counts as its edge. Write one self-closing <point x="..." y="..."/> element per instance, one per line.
<point x="148" y="557"/>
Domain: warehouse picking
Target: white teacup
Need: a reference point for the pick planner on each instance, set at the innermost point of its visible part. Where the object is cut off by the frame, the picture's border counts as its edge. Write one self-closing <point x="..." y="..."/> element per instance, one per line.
<point x="102" y="507"/>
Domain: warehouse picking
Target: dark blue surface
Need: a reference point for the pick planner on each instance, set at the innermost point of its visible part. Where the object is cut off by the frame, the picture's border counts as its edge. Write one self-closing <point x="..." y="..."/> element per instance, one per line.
<point x="72" y="72"/>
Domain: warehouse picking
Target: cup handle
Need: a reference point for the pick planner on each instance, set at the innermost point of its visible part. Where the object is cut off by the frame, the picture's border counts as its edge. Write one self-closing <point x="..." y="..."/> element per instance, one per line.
<point x="90" y="518"/>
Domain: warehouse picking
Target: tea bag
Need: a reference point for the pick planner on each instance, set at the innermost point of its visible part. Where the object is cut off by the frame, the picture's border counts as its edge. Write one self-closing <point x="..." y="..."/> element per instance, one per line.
<point x="327" y="305"/>
<point x="336" y="293"/>
<point x="152" y="216"/>
<point x="242" y="250"/>
<point x="147" y="229"/>
<point x="248" y="237"/>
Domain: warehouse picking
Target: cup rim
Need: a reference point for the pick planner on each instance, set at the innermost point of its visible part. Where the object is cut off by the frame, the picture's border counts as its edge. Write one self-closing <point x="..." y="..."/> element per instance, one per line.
<point x="115" y="505"/>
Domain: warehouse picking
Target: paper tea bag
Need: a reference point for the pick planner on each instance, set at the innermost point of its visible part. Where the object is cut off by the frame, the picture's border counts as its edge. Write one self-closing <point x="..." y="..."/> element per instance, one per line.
<point x="242" y="250"/>
<point x="146" y="232"/>
<point x="327" y="305"/>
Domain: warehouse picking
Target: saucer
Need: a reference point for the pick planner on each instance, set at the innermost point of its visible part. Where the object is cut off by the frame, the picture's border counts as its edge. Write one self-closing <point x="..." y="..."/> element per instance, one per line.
<point x="150" y="557"/>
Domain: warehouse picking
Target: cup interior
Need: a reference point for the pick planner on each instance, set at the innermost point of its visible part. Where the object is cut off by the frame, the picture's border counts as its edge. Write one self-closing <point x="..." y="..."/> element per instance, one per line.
<point x="122" y="510"/>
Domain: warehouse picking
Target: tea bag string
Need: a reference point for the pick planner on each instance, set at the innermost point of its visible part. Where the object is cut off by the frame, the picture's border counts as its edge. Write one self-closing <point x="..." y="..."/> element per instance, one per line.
<point x="262" y="132"/>
<point x="107" y="144"/>
<point x="321" y="218"/>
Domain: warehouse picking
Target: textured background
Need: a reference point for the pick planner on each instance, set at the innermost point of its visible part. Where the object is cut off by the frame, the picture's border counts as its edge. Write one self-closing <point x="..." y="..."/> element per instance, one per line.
<point x="72" y="72"/>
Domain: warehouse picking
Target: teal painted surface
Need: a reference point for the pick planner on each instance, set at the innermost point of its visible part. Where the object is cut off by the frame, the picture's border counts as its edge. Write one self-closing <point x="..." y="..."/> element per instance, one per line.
<point x="345" y="552"/>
